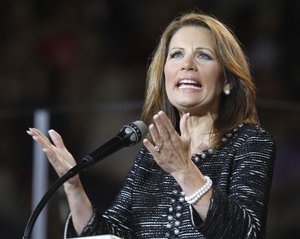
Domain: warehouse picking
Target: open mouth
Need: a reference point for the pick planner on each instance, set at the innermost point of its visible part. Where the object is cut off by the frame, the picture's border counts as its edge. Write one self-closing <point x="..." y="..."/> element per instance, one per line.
<point x="189" y="84"/>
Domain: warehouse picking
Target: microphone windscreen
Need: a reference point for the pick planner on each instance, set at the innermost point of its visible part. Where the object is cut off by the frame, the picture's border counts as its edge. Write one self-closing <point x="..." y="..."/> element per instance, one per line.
<point x="142" y="126"/>
<point x="138" y="129"/>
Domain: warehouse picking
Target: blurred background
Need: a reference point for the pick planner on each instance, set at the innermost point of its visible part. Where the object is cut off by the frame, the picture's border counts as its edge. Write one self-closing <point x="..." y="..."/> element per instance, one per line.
<point x="85" y="63"/>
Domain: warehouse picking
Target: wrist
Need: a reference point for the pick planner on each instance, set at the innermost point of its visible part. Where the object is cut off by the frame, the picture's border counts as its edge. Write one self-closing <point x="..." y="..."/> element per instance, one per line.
<point x="73" y="184"/>
<point x="190" y="179"/>
<point x="198" y="194"/>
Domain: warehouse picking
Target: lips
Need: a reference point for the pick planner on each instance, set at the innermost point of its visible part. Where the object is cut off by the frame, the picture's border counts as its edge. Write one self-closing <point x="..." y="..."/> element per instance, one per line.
<point x="189" y="84"/>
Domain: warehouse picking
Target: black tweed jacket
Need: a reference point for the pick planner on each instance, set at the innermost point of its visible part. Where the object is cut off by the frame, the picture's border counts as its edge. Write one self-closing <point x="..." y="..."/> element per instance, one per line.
<point x="151" y="204"/>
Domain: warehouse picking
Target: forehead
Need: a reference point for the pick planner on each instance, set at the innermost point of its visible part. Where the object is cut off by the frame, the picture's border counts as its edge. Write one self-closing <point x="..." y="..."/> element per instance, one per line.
<point x="195" y="35"/>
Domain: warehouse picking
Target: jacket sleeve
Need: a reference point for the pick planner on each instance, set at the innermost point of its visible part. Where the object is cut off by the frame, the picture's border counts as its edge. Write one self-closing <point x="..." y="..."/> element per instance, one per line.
<point x="117" y="219"/>
<point x="241" y="213"/>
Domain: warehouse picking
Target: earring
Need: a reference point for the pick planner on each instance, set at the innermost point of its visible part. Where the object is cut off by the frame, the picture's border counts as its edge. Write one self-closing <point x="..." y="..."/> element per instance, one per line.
<point x="226" y="89"/>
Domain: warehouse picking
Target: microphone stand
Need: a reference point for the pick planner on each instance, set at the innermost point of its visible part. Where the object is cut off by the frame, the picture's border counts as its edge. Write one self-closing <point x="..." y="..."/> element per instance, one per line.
<point x="84" y="163"/>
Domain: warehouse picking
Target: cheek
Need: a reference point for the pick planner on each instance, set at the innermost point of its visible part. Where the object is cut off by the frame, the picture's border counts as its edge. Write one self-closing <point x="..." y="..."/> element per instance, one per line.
<point x="217" y="82"/>
<point x="168" y="87"/>
<point x="169" y="75"/>
<point x="167" y="72"/>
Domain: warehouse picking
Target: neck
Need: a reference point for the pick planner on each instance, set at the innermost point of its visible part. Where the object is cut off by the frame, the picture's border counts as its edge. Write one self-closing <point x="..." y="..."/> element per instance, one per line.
<point x="201" y="132"/>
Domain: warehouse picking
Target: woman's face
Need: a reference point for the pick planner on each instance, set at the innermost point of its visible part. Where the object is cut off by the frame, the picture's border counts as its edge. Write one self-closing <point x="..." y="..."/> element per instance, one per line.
<point x="193" y="76"/>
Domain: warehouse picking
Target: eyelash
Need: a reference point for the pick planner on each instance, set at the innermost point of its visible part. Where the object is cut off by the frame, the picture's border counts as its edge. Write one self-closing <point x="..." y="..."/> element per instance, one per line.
<point x="201" y="54"/>
<point x="174" y="54"/>
<point x="207" y="57"/>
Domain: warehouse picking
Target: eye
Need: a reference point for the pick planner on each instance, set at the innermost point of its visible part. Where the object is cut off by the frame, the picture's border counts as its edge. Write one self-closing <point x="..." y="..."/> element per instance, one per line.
<point x="176" y="54"/>
<point x="203" y="56"/>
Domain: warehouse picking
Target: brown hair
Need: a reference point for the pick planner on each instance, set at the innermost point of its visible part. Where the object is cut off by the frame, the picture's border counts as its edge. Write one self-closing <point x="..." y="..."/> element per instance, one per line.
<point x="236" y="108"/>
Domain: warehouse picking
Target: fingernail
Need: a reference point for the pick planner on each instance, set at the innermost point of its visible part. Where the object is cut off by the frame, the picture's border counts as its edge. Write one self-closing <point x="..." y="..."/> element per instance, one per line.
<point x="29" y="132"/>
<point x="151" y="126"/>
<point x="34" y="137"/>
<point x="188" y="114"/>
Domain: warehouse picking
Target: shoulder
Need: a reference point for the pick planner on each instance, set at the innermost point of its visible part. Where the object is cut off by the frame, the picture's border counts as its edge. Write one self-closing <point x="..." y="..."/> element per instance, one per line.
<point x="254" y="138"/>
<point x="254" y="132"/>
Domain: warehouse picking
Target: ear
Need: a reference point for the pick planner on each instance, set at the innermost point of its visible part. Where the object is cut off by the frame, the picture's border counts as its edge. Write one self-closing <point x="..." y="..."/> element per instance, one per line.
<point x="226" y="89"/>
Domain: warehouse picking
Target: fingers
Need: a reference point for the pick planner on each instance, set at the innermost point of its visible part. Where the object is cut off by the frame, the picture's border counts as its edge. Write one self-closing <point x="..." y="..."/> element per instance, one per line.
<point x="164" y="126"/>
<point x="56" y="139"/>
<point x="159" y="133"/>
<point x="163" y="132"/>
<point x="163" y="122"/>
<point x="150" y="147"/>
<point x="40" y="138"/>
<point x="184" y="127"/>
<point x="59" y="157"/>
<point x="166" y="130"/>
<point x="155" y="134"/>
<point x="50" y="149"/>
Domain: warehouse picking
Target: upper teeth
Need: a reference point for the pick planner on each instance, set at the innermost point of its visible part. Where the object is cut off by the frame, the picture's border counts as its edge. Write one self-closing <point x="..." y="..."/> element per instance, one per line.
<point x="187" y="81"/>
<point x="189" y="84"/>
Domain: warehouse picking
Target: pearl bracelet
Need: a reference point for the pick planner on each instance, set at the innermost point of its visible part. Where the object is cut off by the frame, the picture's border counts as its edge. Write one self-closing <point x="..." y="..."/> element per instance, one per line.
<point x="200" y="192"/>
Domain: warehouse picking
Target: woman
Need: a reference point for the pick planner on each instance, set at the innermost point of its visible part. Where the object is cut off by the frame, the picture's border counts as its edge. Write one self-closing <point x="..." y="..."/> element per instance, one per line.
<point x="206" y="168"/>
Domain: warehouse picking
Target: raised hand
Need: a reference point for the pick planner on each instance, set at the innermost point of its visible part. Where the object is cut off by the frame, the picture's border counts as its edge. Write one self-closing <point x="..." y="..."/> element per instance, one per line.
<point x="61" y="160"/>
<point x="169" y="149"/>
<point x="59" y="157"/>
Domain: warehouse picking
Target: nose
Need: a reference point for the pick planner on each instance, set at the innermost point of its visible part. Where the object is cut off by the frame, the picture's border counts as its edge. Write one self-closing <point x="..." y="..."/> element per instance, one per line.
<point x="189" y="64"/>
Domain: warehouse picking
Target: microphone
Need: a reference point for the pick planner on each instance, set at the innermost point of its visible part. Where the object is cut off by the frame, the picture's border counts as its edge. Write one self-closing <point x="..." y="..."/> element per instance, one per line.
<point x="129" y="135"/>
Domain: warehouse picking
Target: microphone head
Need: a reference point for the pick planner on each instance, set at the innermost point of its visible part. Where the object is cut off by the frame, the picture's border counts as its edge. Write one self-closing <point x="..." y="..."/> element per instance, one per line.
<point x="136" y="131"/>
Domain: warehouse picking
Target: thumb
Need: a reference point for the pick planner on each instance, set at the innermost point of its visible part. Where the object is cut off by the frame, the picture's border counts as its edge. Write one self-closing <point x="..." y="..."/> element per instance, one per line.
<point x="185" y="134"/>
